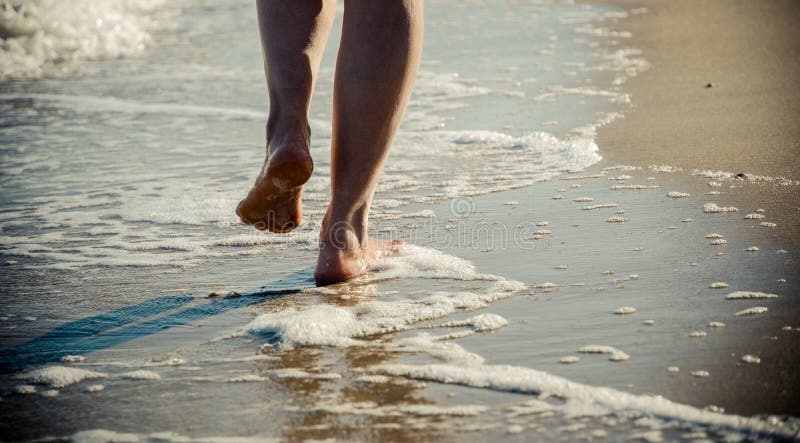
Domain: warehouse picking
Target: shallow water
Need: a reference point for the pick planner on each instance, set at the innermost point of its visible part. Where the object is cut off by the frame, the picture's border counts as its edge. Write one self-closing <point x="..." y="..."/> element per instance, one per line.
<point x="150" y="153"/>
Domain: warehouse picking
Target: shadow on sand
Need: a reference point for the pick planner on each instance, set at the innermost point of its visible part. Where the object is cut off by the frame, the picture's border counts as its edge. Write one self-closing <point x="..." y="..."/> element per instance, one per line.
<point x="130" y="322"/>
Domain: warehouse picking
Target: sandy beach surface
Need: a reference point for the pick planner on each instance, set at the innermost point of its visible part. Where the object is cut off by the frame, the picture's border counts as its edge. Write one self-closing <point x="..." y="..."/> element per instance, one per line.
<point x="545" y="294"/>
<point x="745" y="122"/>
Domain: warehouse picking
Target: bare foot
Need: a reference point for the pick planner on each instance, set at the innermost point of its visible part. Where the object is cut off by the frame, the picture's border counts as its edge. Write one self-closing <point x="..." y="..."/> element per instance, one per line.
<point x="342" y="256"/>
<point x="274" y="202"/>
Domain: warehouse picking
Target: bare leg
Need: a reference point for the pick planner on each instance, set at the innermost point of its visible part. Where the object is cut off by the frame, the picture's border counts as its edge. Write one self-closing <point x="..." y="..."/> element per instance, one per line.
<point x="378" y="61"/>
<point x="293" y="37"/>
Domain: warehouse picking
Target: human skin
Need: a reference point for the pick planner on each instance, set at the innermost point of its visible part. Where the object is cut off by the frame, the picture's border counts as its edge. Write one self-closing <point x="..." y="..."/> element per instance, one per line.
<point x="376" y="66"/>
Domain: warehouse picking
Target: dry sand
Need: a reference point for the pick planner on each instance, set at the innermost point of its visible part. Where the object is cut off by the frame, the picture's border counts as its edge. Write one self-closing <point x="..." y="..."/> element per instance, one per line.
<point x="749" y="51"/>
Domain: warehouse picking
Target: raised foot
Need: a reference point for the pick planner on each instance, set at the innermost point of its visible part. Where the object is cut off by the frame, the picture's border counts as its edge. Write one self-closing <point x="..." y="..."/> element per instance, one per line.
<point x="336" y="265"/>
<point x="275" y="201"/>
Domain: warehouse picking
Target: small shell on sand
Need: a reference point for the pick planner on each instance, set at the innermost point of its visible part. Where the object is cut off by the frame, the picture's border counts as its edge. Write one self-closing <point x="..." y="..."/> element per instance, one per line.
<point x="713" y="208"/>
<point x="752" y="359"/>
<point x="716" y="324"/>
<point x="569" y="359"/>
<point x="561" y="267"/>
<point x="752" y="311"/>
<point x="676" y="194"/>
<point x="649" y="322"/>
<point x="698" y="334"/>
<point x="625" y="310"/>
<point x="556" y="197"/>
<point x="749" y="295"/>
<point x="718" y="285"/>
<point x="700" y="374"/>
<point x="608" y="272"/>
<point x="617" y="220"/>
<point x="687" y="220"/>
<point x="673" y="369"/>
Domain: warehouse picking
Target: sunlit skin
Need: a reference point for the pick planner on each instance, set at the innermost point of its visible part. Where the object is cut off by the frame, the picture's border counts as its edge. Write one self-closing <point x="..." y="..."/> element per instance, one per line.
<point x="375" y="70"/>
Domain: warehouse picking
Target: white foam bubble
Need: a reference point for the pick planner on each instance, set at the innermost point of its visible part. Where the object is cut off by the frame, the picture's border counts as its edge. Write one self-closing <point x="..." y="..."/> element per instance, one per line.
<point x="633" y="187"/>
<point x="676" y="194"/>
<point x="625" y="310"/>
<point x="600" y="206"/>
<point x="569" y="359"/>
<point x="481" y="322"/>
<point x="60" y="376"/>
<point x="713" y="208"/>
<point x="48" y="37"/>
<point x="141" y="375"/>
<point x="94" y="388"/>
<point x="718" y="285"/>
<point x="749" y="295"/>
<point x="614" y="353"/>
<point x="752" y="359"/>
<point x="756" y="310"/>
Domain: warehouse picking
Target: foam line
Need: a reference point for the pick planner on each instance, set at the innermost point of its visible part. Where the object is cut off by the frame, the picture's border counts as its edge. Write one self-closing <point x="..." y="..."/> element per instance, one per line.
<point x="132" y="107"/>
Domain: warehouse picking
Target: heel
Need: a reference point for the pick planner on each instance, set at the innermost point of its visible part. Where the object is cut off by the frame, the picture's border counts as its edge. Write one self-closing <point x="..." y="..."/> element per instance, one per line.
<point x="290" y="169"/>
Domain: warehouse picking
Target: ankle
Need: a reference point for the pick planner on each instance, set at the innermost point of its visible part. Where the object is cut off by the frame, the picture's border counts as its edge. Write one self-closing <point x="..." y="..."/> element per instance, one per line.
<point x="344" y="233"/>
<point x="289" y="130"/>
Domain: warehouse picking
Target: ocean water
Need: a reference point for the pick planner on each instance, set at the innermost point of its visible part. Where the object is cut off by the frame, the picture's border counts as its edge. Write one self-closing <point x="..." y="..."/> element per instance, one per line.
<point x="130" y="130"/>
<point x="134" y="151"/>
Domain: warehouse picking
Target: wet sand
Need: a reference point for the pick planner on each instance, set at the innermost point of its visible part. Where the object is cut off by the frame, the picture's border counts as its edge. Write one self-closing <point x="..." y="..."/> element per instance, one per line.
<point x="746" y="122"/>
